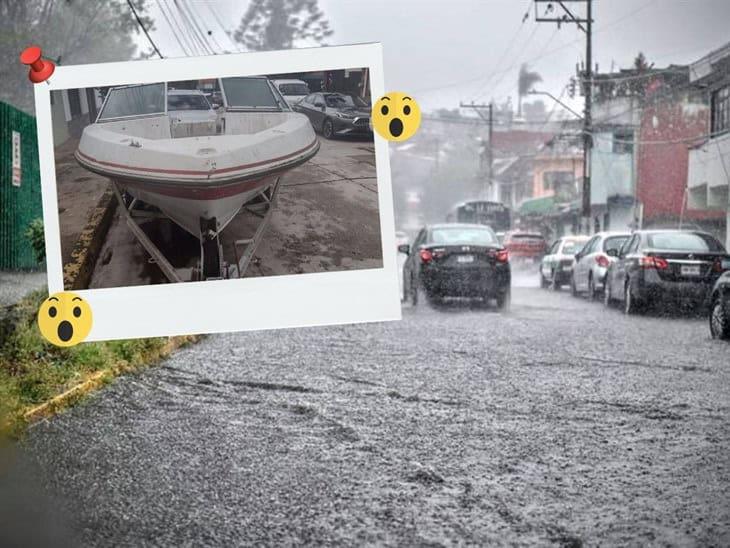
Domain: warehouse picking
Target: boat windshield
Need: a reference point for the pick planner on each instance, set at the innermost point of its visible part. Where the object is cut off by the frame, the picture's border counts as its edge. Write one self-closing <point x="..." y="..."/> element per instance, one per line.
<point x="134" y="101"/>
<point x="187" y="101"/>
<point x="250" y="93"/>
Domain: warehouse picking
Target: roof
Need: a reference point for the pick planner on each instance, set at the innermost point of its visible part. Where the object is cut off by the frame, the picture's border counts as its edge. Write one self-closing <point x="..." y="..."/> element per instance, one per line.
<point x="185" y="92"/>
<point x="289" y="81"/>
<point x="456" y="225"/>
<point x="703" y="67"/>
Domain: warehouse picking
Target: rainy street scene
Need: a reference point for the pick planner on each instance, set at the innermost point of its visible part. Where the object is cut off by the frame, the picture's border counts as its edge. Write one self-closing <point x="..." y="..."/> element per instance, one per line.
<point x="560" y="375"/>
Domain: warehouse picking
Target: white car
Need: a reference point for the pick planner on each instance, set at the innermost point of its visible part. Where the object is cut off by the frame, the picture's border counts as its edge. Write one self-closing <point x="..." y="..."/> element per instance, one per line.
<point x="293" y="91"/>
<point x="591" y="264"/>
<point x="189" y="105"/>
<point x="557" y="264"/>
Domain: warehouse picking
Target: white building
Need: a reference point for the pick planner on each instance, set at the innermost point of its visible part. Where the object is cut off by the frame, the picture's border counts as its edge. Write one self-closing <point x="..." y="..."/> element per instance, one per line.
<point x="708" y="175"/>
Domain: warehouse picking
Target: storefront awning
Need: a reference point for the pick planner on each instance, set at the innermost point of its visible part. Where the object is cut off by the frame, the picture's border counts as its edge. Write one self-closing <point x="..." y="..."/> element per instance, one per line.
<point x="538" y="206"/>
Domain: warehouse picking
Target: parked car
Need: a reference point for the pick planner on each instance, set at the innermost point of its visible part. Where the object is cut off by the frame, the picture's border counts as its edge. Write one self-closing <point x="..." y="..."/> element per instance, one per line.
<point x="656" y="266"/>
<point x="591" y="264"/>
<point x="189" y="105"/>
<point x="292" y="90"/>
<point x="336" y="114"/>
<point x="457" y="260"/>
<point x="556" y="267"/>
<point x="525" y="247"/>
<point x="720" y="307"/>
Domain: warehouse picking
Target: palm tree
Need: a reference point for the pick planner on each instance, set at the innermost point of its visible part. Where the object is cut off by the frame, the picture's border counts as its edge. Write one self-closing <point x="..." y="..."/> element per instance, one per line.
<point x="525" y="81"/>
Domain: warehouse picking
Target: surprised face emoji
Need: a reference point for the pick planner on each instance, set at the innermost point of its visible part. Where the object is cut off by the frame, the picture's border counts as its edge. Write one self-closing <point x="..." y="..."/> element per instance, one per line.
<point x="64" y="319"/>
<point x="396" y="116"/>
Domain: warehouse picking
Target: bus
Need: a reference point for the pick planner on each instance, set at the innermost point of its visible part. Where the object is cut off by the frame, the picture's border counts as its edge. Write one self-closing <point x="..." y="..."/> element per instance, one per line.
<point x="481" y="212"/>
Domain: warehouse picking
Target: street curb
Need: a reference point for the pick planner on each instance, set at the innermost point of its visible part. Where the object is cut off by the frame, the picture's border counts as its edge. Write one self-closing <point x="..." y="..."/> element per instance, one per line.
<point x="98" y="379"/>
<point x="77" y="273"/>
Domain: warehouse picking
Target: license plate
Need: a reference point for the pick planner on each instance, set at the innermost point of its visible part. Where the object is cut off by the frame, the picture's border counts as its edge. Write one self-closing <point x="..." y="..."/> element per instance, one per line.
<point x="465" y="259"/>
<point x="690" y="270"/>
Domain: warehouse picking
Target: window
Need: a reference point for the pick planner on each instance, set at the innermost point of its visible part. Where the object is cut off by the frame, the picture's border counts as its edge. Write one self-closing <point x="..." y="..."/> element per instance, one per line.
<point x="591" y="246"/>
<point x="684" y="241"/>
<point x="614" y="242"/>
<point x="250" y="93"/>
<point x="572" y="247"/>
<point x="294" y="89"/>
<point x="460" y="235"/>
<point x="624" y="250"/>
<point x="720" y="108"/>
<point x="134" y="101"/>
<point x="562" y="183"/>
<point x="187" y="102"/>
<point x="74" y="102"/>
<point x="623" y="142"/>
<point x="338" y="100"/>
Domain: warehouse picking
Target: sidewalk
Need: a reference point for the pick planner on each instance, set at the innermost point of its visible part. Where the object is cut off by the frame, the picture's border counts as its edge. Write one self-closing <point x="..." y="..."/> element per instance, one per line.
<point x="15" y="285"/>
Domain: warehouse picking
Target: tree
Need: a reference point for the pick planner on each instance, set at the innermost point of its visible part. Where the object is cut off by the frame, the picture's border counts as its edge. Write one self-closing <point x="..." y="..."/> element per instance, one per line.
<point x="278" y="24"/>
<point x="525" y="81"/>
<point x="69" y="31"/>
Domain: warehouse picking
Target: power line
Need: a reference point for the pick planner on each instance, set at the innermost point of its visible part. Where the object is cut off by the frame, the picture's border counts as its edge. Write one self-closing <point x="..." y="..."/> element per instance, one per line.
<point x="180" y="43"/>
<point x="200" y="44"/>
<point x="181" y="27"/>
<point x="217" y="18"/>
<point x="139" y="22"/>
<point x="196" y="27"/>
<point x="209" y="32"/>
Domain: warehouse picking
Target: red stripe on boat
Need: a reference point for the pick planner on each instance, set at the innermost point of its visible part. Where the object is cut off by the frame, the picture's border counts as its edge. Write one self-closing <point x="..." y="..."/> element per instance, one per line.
<point x="195" y="172"/>
<point x="200" y="193"/>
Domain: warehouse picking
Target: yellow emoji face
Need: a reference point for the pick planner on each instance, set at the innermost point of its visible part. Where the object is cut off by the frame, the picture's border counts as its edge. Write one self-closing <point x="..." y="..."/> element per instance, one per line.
<point x="65" y="319"/>
<point x="396" y="116"/>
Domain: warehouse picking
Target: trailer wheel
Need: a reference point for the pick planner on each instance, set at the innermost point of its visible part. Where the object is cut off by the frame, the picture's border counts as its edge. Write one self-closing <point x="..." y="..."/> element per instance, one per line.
<point x="211" y="259"/>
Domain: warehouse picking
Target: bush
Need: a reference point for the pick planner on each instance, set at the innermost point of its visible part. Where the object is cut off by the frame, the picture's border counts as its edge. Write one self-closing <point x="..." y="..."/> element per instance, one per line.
<point x="37" y="239"/>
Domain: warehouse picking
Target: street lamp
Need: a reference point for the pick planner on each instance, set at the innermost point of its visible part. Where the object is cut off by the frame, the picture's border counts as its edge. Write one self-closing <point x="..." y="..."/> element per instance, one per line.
<point x="558" y="101"/>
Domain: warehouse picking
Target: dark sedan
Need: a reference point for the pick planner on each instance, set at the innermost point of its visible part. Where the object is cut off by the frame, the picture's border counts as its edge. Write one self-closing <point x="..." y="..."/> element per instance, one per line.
<point x="336" y="114"/>
<point x="457" y="260"/>
<point x="659" y="266"/>
<point x="720" y="308"/>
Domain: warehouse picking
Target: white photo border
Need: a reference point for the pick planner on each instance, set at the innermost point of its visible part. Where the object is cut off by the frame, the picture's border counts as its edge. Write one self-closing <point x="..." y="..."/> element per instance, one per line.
<point x="246" y="304"/>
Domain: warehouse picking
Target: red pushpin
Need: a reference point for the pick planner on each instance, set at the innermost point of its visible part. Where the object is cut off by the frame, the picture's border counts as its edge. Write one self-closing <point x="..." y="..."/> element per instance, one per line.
<point x="40" y="69"/>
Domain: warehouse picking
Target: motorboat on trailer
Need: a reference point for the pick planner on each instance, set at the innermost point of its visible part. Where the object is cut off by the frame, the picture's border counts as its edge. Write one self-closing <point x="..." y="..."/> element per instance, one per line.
<point x="197" y="170"/>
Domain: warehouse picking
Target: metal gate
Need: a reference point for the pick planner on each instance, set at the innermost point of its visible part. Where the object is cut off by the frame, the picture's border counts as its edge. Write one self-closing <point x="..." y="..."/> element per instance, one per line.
<point x="20" y="187"/>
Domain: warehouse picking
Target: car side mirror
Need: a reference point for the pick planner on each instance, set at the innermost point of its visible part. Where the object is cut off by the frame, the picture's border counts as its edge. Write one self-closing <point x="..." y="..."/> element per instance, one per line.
<point x="404" y="248"/>
<point x="612" y="252"/>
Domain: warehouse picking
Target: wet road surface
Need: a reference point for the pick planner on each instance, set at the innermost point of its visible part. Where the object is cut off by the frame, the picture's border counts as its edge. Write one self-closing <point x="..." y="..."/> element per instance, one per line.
<point x="558" y="423"/>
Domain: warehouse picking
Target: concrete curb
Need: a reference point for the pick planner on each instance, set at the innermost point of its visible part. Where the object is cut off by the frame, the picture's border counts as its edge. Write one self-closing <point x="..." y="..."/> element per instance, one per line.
<point x="98" y="379"/>
<point x="77" y="273"/>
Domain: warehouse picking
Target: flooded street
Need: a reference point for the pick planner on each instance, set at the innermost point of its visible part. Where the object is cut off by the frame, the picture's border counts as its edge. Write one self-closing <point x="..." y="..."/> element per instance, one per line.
<point x="557" y="423"/>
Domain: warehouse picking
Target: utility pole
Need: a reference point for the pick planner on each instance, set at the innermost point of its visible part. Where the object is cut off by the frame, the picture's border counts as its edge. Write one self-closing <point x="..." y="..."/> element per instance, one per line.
<point x="490" y="153"/>
<point x="566" y="16"/>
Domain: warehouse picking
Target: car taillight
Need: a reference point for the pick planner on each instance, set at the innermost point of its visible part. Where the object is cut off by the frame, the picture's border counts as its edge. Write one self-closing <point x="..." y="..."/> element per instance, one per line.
<point x="602" y="261"/>
<point x="426" y="256"/>
<point x="717" y="266"/>
<point x="502" y="256"/>
<point x="654" y="262"/>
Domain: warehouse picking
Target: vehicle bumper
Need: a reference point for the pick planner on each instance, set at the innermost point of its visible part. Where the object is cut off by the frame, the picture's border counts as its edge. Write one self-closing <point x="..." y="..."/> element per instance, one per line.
<point x="349" y="127"/>
<point x="599" y="277"/>
<point x="466" y="282"/>
<point x="563" y="274"/>
<point x="650" y="288"/>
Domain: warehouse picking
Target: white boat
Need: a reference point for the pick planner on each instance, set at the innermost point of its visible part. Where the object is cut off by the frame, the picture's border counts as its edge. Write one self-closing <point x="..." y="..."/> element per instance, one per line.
<point x="199" y="171"/>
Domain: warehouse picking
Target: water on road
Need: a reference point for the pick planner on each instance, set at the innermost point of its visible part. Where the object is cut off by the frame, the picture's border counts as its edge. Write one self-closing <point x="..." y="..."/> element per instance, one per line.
<point x="559" y="422"/>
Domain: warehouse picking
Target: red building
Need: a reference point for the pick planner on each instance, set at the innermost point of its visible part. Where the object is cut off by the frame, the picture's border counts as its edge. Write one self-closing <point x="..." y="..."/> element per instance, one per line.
<point x="673" y="117"/>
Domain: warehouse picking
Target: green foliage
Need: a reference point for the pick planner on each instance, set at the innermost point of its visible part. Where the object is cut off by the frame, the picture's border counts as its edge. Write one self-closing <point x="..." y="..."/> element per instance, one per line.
<point x="278" y="24"/>
<point x="37" y="239"/>
<point x="70" y="32"/>
<point x="32" y="370"/>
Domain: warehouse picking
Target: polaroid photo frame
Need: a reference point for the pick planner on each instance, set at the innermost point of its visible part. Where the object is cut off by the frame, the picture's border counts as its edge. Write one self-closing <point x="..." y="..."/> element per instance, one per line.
<point x="243" y="304"/>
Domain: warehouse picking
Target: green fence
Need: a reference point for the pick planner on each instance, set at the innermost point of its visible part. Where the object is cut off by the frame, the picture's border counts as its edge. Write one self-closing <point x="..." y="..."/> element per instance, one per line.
<point x="20" y="187"/>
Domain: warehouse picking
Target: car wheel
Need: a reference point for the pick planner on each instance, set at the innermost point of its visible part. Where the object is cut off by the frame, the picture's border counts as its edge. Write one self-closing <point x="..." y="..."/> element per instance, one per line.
<point x="504" y="300"/>
<point x="434" y="300"/>
<point x="592" y="294"/>
<point x="328" y="129"/>
<point x="413" y="288"/>
<point x="631" y="306"/>
<point x="719" y="320"/>
<point x="607" y="299"/>
<point x="573" y="289"/>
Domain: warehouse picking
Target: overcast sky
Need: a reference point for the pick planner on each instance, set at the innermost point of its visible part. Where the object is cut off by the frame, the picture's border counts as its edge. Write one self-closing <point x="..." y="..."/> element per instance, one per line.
<point x="444" y="51"/>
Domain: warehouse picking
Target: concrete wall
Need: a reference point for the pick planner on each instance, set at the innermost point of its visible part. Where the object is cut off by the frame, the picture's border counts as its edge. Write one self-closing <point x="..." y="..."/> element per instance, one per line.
<point x="612" y="174"/>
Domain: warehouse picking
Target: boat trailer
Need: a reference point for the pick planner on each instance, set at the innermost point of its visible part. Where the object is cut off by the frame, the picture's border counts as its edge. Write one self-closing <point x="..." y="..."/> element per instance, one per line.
<point x="211" y="265"/>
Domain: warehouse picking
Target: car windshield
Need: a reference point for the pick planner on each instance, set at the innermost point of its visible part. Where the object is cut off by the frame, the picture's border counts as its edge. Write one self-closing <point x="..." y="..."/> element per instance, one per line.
<point x="134" y="101"/>
<point x="187" y="102"/>
<point x="249" y="93"/>
<point x="614" y="242"/>
<point x="343" y="101"/>
<point x="463" y="235"/>
<point x="684" y="241"/>
<point x="572" y="247"/>
<point x="294" y="89"/>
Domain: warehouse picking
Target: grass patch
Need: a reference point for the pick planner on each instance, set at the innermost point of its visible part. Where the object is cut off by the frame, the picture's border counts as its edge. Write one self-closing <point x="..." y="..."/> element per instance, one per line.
<point x="34" y="372"/>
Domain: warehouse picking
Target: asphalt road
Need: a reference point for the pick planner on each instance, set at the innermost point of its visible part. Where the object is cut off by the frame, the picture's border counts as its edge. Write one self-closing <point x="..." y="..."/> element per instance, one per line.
<point x="558" y="423"/>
